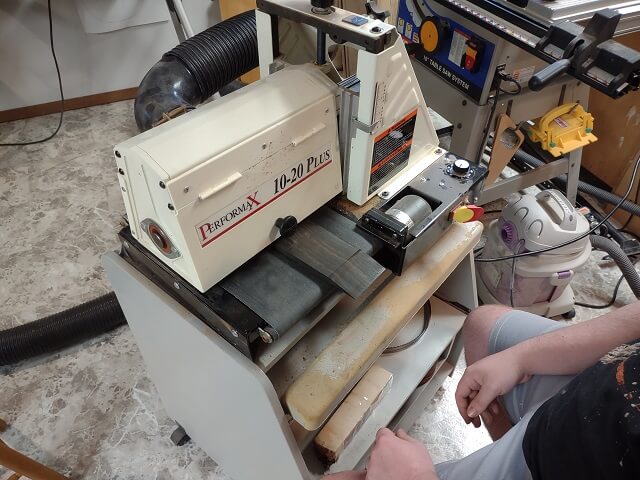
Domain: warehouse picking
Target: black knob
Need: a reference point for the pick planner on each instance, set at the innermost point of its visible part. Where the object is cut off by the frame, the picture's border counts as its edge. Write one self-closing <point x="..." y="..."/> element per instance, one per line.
<point x="461" y="167"/>
<point x="323" y="4"/>
<point x="287" y="225"/>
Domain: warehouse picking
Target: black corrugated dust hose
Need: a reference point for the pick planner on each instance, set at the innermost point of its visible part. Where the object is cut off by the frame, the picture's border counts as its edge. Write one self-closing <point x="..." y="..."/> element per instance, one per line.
<point x="584" y="187"/>
<point x="197" y="68"/>
<point x="60" y="330"/>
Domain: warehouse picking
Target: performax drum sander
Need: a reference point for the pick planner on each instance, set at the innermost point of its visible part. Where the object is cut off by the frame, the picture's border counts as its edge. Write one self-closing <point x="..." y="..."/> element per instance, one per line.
<point x="225" y="203"/>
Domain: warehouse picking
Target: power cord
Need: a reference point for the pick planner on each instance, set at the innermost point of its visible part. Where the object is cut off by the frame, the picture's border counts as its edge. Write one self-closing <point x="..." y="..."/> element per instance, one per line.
<point x="512" y="280"/>
<point x="631" y="215"/>
<point x="505" y="77"/>
<point x="487" y="127"/>
<point x="55" y="61"/>
<point x="578" y="238"/>
<point x="500" y="77"/>
<point x="614" y="297"/>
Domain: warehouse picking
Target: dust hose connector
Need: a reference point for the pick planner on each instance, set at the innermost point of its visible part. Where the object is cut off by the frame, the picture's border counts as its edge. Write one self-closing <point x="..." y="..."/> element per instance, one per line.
<point x="196" y="69"/>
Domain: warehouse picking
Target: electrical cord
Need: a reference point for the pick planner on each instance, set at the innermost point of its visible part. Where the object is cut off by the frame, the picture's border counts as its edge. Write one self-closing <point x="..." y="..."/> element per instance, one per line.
<point x="628" y="221"/>
<point x="505" y="77"/>
<point x="614" y="297"/>
<point x="578" y="238"/>
<point x="512" y="280"/>
<point x="55" y="61"/>
<point x="487" y="127"/>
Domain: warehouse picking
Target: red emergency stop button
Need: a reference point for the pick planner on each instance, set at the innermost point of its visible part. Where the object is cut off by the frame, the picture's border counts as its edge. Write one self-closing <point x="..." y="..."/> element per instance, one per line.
<point x="470" y="59"/>
<point x="473" y="55"/>
<point x="467" y="213"/>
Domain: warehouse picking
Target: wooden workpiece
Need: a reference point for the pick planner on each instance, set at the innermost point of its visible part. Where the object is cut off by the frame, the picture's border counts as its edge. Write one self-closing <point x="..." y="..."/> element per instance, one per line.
<point x="507" y="141"/>
<point x="324" y="384"/>
<point x="355" y="409"/>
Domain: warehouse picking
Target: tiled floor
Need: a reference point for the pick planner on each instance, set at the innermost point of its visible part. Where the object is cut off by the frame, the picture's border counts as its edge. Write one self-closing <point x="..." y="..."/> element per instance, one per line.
<point x="91" y="411"/>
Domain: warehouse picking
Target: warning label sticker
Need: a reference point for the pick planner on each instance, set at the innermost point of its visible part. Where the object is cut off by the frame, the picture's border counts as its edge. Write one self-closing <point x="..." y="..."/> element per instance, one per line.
<point x="391" y="151"/>
<point x="458" y="46"/>
<point x="261" y="196"/>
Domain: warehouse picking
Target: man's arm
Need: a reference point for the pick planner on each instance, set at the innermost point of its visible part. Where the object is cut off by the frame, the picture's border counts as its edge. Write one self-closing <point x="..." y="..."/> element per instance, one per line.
<point x="570" y="350"/>
<point x="566" y="351"/>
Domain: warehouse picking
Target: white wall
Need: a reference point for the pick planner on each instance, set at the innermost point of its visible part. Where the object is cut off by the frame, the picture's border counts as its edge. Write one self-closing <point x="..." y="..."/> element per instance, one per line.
<point x="90" y="63"/>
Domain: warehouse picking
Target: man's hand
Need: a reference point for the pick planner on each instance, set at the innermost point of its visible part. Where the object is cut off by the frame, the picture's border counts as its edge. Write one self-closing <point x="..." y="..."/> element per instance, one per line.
<point x="484" y="381"/>
<point x="346" y="476"/>
<point x="399" y="457"/>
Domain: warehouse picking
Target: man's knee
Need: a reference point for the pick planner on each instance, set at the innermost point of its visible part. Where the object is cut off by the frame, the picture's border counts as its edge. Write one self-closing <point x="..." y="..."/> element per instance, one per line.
<point x="477" y="329"/>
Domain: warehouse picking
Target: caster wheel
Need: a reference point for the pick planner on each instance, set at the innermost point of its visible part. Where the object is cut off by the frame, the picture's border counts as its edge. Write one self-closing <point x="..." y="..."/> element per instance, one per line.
<point x="179" y="437"/>
<point x="570" y="314"/>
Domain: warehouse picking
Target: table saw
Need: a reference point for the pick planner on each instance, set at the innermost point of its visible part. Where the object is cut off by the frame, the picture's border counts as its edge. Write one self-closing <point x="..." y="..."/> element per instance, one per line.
<point x="520" y="58"/>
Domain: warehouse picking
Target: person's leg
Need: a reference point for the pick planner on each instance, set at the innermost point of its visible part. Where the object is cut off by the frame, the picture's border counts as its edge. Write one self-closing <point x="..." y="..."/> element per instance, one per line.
<point x="514" y="327"/>
<point x="475" y="336"/>
<point x="477" y="330"/>
<point x="488" y="330"/>
<point x="501" y="460"/>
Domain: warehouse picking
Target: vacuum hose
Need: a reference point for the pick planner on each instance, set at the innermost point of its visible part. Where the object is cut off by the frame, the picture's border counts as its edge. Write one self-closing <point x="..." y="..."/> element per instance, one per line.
<point x="622" y="260"/>
<point x="584" y="187"/>
<point x="60" y="330"/>
<point x="197" y="68"/>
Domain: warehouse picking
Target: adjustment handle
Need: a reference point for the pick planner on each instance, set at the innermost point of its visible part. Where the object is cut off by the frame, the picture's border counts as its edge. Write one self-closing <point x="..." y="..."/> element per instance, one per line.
<point x="376" y="12"/>
<point x="544" y="76"/>
<point x="287" y="225"/>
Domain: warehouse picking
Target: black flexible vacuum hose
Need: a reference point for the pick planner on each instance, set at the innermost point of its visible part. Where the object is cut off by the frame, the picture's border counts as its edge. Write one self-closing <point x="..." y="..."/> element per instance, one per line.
<point x="60" y="330"/>
<point x="584" y="187"/>
<point x="197" y="68"/>
<point x="622" y="260"/>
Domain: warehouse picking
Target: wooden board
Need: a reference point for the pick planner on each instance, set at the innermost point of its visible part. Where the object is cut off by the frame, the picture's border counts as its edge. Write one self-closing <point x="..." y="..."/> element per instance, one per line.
<point x="509" y="139"/>
<point x="353" y="412"/>
<point x="322" y="386"/>
<point x="69" y="104"/>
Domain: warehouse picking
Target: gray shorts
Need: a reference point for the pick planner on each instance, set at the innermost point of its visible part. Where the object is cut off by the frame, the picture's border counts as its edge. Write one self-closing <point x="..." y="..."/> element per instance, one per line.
<point x="504" y="459"/>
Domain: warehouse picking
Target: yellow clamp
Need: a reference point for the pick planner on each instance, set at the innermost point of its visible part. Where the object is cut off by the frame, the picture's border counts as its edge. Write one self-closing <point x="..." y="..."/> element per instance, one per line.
<point x="563" y="129"/>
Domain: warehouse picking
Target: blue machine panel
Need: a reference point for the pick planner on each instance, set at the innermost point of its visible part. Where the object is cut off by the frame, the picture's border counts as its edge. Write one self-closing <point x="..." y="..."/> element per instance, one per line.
<point x="461" y="57"/>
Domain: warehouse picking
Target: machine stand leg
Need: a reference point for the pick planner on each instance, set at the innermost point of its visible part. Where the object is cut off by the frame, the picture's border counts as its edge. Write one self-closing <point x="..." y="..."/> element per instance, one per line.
<point x="179" y="437"/>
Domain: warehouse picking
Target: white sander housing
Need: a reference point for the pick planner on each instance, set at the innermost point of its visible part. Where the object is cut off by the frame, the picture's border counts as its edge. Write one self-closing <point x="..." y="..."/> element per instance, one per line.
<point x="266" y="152"/>
<point x="540" y="282"/>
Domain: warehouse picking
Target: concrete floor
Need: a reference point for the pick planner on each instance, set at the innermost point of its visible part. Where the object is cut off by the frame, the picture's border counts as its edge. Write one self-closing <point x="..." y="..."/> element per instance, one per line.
<point x="91" y="411"/>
